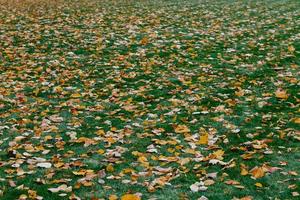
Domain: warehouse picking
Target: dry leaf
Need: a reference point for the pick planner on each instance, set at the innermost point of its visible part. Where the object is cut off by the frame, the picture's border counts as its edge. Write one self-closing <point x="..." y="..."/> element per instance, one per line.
<point x="258" y="185"/>
<point x="130" y="197"/>
<point x="281" y="94"/>
<point x="203" y="139"/>
<point x="44" y="165"/>
<point x="182" y="129"/>
<point x="61" y="188"/>
<point x="257" y="172"/>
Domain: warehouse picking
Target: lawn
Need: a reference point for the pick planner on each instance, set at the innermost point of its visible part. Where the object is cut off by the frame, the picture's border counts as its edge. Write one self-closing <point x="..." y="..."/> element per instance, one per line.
<point x="150" y="99"/>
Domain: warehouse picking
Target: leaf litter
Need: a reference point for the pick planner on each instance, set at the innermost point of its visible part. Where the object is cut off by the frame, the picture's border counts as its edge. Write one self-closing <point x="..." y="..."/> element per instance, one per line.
<point x="133" y="99"/>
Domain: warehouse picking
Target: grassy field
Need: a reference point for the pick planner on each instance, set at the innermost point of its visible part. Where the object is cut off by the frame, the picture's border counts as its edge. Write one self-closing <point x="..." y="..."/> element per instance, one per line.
<point x="149" y="99"/>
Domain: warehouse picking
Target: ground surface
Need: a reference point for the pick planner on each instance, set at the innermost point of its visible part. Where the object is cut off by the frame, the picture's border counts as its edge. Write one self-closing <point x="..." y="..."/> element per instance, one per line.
<point x="158" y="99"/>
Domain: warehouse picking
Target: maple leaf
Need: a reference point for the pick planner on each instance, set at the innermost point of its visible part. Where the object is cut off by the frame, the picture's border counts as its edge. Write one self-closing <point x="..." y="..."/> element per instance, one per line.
<point x="257" y="172"/>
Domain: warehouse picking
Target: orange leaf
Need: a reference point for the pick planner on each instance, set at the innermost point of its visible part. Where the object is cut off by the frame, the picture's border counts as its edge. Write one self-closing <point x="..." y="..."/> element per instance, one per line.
<point x="281" y="94"/>
<point x="144" y="41"/>
<point x="112" y="197"/>
<point x="291" y="48"/>
<point x="257" y="172"/>
<point x="182" y="129"/>
<point x="297" y="120"/>
<point x="130" y="197"/>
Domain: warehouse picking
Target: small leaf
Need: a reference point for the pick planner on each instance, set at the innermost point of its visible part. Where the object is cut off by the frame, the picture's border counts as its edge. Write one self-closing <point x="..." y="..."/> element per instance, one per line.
<point x="291" y="48"/>
<point x="258" y="185"/>
<point x="182" y="129"/>
<point x="130" y="197"/>
<point x="112" y="197"/>
<point x="44" y="165"/>
<point x="203" y="139"/>
<point x="110" y="168"/>
<point x="281" y="94"/>
<point x="76" y="95"/>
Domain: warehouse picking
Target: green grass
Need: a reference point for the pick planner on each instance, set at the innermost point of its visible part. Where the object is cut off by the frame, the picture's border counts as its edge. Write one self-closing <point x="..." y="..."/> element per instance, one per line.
<point x="136" y="70"/>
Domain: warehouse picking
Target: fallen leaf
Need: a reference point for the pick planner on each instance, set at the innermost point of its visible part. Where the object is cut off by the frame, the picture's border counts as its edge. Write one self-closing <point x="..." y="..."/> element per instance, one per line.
<point x="258" y="185"/>
<point x="182" y="129"/>
<point x="281" y="94"/>
<point x="44" y="165"/>
<point x="130" y="197"/>
<point x="110" y="168"/>
<point x="113" y="197"/>
<point x="291" y="48"/>
<point x="232" y="182"/>
<point x="257" y="172"/>
<point x="61" y="188"/>
<point x="203" y="139"/>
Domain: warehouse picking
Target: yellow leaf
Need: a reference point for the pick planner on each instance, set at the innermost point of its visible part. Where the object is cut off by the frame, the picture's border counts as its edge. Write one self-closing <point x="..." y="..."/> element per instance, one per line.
<point x="209" y="182"/>
<point x="76" y="95"/>
<point x="240" y="93"/>
<point x="281" y="94"/>
<point x="100" y="151"/>
<point x="100" y="132"/>
<point x="110" y="168"/>
<point x="258" y="185"/>
<point x="58" y="89"/>
<point x="297" y="120"/>
<point x="244" y="170"/>
<point x="291" y="48"/>
<point x="23" y="197"/>
<point x="182" y="129"/>
<point x="203" y="139"/>
<point x="142" y="159"/>
<point x="112" y="197"/>
<point x="32" y="194"/>
<point x="36" y="91"/>
<point x="111" y="140"/>
<point x="87" y="183"/>
<point x="80" y="172"/>
<point x="257" y="172"/>
<point x="130" y="197"/>
<point x="219" y="154"/>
